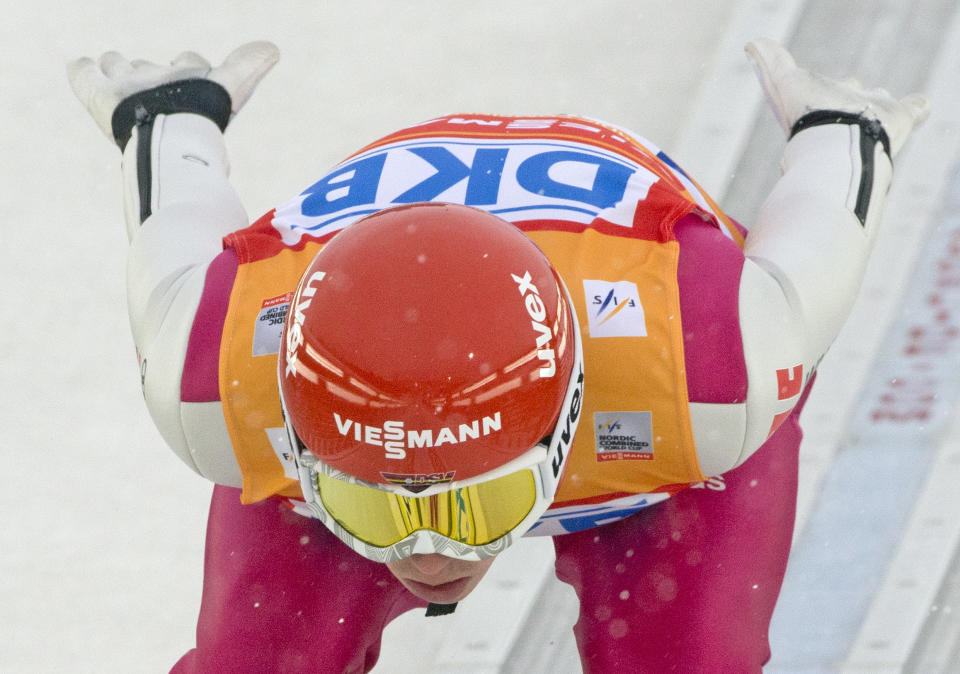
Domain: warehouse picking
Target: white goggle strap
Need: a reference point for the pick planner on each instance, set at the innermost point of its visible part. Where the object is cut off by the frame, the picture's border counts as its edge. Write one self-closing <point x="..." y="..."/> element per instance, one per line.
<point x="302" y="457"/>
<point x="561" y="442"/>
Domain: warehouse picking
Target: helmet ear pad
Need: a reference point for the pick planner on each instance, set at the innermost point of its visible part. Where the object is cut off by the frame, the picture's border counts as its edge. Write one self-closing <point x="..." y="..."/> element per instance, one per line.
<point x="426" y="342"/>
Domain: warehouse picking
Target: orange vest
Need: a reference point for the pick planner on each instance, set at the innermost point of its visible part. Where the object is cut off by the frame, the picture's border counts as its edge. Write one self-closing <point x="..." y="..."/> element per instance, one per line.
<point x="614" y="248"/>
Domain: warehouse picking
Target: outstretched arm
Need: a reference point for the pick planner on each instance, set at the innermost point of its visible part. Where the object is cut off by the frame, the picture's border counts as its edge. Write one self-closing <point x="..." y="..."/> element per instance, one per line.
<point x="168" y="122"/>
<point x="806" y="255"/>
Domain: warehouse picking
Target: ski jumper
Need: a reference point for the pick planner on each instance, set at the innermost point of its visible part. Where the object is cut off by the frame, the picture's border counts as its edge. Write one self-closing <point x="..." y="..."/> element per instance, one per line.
<point x="653" y="267"/>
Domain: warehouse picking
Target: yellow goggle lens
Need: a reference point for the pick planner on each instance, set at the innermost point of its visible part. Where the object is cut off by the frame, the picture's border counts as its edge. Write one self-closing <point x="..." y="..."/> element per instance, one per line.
<point x="475" y="515"/>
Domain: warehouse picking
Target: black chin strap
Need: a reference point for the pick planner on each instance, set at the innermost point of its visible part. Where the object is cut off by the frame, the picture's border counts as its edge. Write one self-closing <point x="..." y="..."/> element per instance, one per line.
<point x="440" y="609"/>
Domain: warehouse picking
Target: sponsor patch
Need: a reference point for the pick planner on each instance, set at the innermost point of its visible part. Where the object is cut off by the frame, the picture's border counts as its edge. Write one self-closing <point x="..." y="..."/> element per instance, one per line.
<point x="623" y="436"/>
<point x="521" y="178"/>
<point x="269" y="327"/>
<point x="537" y="313"/>
<point x="396" y="439"/>
<point x="614" y="309"/>
<point x="304" y="296"/>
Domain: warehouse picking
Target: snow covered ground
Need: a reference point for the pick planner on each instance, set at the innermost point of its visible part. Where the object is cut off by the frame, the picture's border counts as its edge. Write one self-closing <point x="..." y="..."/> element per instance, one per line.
<point x="101" y="537"/>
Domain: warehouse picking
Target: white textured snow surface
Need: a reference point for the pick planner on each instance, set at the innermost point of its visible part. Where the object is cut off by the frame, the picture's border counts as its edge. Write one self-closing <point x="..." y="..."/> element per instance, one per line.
<point x="101" y="539"/>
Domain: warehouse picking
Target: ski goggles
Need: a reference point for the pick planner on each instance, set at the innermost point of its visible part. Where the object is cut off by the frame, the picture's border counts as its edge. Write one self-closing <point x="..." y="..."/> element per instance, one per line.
<point x="474" y="519"/>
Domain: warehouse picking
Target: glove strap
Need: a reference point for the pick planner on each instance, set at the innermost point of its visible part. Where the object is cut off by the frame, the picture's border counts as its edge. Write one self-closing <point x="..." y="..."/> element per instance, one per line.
<point x="200" y="96"/>
<point x="871" y="128"/>
<point x="871" y="133"/>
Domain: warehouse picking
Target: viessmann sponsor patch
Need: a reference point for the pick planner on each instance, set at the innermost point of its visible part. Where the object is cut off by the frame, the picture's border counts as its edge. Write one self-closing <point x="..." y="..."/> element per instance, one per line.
<point x="623" y="435"/>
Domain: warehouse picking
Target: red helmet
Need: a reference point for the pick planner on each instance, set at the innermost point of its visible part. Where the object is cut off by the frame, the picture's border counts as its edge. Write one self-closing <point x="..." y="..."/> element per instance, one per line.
<point x="428" y="345"/>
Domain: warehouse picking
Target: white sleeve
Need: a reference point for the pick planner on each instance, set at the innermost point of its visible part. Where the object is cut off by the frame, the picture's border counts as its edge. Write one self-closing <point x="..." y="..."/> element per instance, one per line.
<point x="175" y="183"/>
<point x="805" y="259"/>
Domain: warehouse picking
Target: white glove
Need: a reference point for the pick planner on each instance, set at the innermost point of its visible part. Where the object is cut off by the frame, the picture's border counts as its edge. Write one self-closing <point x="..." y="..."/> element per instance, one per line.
<point x="101" y="86"/>
<point x="793" y="92"/>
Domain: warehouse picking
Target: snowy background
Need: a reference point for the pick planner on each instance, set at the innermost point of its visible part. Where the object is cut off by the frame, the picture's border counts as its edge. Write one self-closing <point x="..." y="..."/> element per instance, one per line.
<point x="102" y="528"/>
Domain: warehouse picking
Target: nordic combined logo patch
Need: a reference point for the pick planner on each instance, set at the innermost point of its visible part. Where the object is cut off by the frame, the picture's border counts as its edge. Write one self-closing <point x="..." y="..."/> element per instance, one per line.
<point x="614" y="309"/>
<point x="623" y="435"/>
<point x="269" y="327"/>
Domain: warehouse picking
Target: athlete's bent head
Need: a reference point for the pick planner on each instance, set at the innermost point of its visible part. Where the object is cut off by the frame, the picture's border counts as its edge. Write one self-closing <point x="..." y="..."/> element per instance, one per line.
<point x="429" y="357"/>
